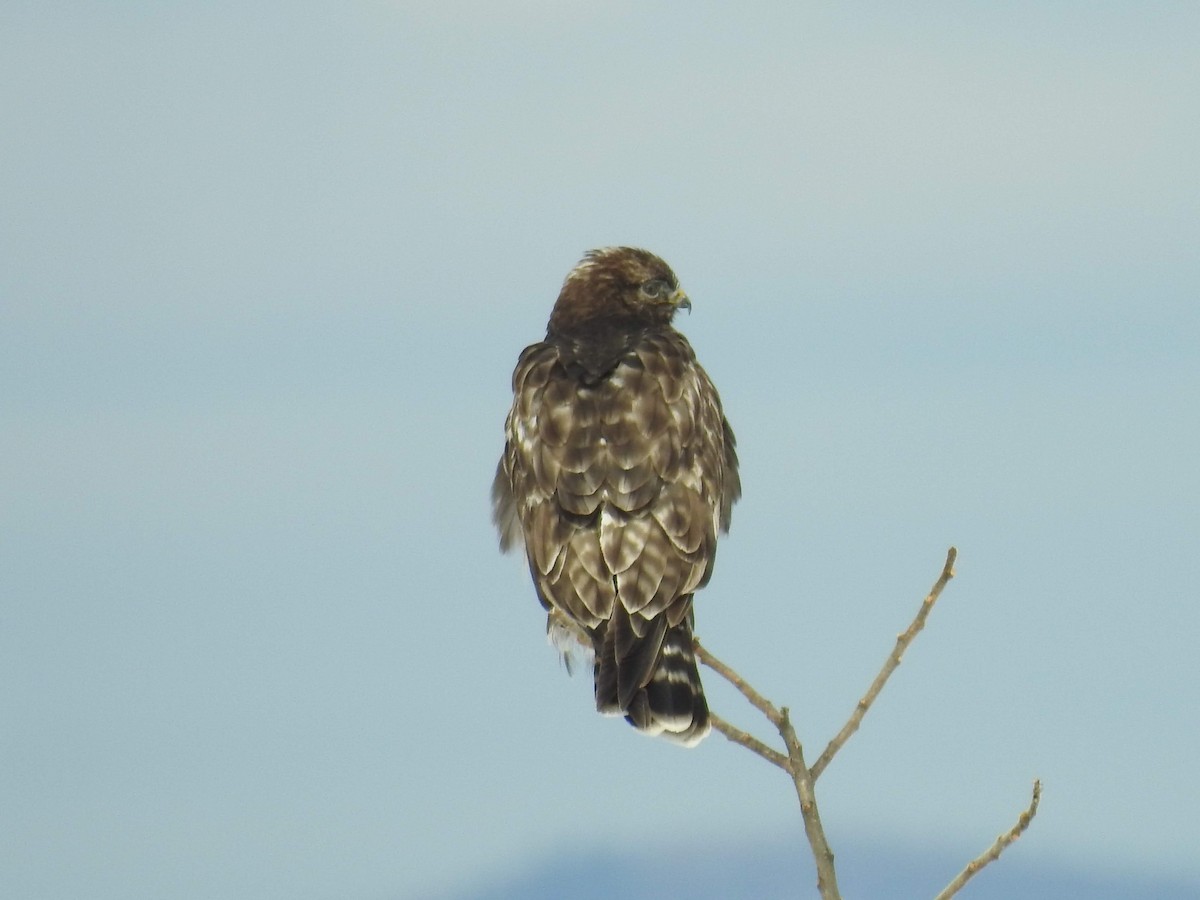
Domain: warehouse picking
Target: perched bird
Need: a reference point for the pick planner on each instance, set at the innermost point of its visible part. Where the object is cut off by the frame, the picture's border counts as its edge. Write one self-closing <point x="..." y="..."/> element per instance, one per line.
<point x="618" y="472"/>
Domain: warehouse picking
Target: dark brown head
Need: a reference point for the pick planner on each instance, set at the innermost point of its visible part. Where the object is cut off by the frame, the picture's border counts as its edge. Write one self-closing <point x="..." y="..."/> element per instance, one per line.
<point x="617" y="288"/>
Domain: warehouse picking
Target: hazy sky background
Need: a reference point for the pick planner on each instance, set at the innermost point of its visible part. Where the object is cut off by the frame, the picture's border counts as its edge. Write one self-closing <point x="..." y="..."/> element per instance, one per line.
<point x="264" y="273"/>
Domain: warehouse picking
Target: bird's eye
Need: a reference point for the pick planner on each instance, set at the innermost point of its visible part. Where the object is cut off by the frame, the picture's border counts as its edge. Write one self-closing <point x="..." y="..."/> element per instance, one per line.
<point x="654" y="288"/>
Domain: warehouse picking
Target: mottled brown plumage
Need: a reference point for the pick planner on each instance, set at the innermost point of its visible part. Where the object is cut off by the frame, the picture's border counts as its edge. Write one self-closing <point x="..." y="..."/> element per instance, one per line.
<point x="618" y="473"/>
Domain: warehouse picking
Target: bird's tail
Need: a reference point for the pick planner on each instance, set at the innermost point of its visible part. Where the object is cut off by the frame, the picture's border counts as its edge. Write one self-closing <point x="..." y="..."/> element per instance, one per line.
<point x="646" y="671"/>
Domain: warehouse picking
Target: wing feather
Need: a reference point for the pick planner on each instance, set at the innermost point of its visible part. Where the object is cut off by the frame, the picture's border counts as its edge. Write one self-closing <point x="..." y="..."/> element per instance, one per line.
<point x="618" y="487"/>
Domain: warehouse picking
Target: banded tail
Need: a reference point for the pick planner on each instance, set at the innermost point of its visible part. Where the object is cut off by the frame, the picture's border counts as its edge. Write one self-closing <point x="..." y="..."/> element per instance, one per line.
<point x="646" y="671"/>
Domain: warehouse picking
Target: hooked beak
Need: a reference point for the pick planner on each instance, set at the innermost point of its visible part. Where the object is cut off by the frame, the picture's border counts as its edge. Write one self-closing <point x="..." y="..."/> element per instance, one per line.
<point x="680" y="300"/>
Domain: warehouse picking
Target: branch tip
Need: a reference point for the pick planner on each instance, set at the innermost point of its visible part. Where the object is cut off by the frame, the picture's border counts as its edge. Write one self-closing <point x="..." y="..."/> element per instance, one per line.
<point x="890" y="665"/>
<point x="803" y="777"/>
<point x="992" y="853"/>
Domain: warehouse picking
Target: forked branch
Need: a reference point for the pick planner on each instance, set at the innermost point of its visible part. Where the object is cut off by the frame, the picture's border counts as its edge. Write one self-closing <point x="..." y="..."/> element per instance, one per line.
<point x="804" y="777"/>
<point x="792" y="763"/>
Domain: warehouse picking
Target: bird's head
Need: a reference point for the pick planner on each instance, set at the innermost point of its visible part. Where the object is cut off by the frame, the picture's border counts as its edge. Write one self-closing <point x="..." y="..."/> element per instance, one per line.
<point x="617" y="286"/>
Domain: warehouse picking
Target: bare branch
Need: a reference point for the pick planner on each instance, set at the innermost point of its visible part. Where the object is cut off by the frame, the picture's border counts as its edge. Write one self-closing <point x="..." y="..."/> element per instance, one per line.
<point x="749" y="742"/>
<point x="992" y="853"/>
<point x="792" y="763"/>
<point x="802" y="777"/>
<point x="889" y="666"/>
<point x="757" y="700"/>
<point x="803" y="780"/>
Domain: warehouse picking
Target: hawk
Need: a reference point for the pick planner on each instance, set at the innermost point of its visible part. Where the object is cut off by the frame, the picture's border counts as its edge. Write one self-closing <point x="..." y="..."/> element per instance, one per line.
<point x="619" y="470"/>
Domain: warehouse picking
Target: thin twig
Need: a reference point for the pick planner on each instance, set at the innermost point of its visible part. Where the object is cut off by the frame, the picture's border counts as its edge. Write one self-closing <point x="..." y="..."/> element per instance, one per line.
<point x="757" y="700"/>
<point x="803" y="780"/>
<point x="992" y="853"/>
<point x="749" y="742"/>
<point x="889" y="666"/>
<point x="792" y="763"/>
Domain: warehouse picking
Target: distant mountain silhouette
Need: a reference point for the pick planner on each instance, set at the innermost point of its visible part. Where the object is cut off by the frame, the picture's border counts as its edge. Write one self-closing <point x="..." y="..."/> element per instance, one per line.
<point x="777" y="870"/>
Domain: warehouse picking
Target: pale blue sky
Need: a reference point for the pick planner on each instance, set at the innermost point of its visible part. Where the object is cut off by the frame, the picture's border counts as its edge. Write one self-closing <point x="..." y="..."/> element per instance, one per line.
<point x="264" y="274"/>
